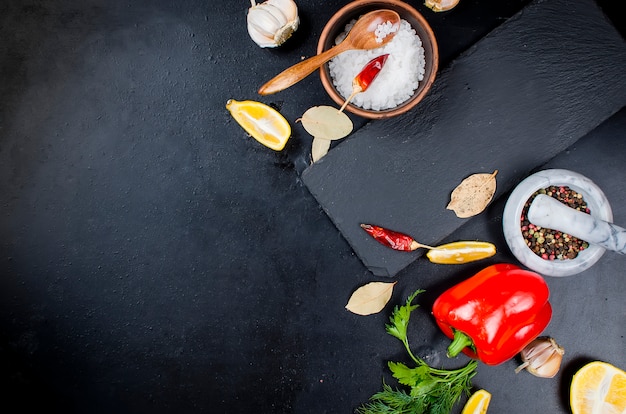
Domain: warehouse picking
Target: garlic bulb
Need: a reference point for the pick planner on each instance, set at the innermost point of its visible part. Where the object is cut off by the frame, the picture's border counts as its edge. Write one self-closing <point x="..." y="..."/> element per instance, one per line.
<point x="542" y="357"/>
<point x="441" y="5"/>
<point x="272" y="22"/>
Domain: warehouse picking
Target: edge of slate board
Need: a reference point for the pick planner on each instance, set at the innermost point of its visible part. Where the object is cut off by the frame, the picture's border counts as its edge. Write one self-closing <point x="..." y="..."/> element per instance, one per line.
<point x="514" y="100"/>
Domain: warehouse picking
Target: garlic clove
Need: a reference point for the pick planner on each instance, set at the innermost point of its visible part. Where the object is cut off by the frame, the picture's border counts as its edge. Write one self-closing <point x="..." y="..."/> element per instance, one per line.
<point x="264" y="21"/>
<point x="272" y="22"/>
<point x="441" y="5"/>
<point x="287" y="7"/>
<point x="542" y="357"/>
<point x="261" y="39"/>
<point x="549" y="368"/>
<point x="277" y="14"/>
<point x="285" y="32"/>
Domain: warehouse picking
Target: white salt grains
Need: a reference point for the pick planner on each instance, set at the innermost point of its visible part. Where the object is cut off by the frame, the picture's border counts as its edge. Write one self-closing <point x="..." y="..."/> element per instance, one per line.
<point x="383" y="30"/>
<point x="399" y="77"/>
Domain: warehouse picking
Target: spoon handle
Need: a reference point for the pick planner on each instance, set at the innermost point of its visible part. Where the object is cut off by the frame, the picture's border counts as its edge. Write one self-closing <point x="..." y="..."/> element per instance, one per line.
<point x="301" y="70"/>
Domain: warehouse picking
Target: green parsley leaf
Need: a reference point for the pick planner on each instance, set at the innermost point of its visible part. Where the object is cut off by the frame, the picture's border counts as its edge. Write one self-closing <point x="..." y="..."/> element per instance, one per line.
<point x="408" y="376"/>
<point x="431" y="390"/>
<point x="400" y="317"/>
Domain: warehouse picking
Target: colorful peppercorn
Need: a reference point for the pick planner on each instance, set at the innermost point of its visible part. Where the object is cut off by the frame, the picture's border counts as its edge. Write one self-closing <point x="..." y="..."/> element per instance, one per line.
<point x="553" y="244"/>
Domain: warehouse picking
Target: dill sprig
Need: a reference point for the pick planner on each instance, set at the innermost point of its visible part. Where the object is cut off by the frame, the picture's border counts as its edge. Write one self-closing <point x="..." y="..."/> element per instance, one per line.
<point x="430" y="390"/>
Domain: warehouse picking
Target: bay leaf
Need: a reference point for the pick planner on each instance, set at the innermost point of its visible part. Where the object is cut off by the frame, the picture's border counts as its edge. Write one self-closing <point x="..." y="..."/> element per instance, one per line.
<point x="326" y="122"/>
<point x="319" y="148"/>
<point x="370" y="298"/>
<point x="473" y="195"/>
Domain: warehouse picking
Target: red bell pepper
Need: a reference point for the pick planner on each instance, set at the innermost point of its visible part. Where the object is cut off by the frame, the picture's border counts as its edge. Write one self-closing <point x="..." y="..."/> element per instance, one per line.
<point x="494" y="314"/>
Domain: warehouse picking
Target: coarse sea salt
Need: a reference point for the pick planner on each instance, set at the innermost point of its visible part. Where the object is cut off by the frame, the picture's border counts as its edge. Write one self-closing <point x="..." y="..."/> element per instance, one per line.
<point x="399" y="77"/>
<point x="383" y="29"/>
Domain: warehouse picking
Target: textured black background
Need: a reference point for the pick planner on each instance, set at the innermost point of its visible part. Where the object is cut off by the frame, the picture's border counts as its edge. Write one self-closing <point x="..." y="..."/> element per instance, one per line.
<point x="153" y="258"/>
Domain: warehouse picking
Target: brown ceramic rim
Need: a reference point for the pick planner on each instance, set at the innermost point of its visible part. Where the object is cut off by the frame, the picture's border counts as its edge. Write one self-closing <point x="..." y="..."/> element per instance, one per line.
<point x="368" y="5"/>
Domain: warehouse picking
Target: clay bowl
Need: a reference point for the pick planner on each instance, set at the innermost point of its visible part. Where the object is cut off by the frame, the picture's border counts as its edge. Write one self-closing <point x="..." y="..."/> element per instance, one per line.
<point x="352" y="11"/>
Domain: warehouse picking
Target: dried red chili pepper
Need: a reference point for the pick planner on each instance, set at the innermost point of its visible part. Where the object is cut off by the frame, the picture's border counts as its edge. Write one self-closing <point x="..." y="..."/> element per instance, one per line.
<point x="494" y="314"/>
<point x="390" y="238"/>
<point x="366" y="76"/>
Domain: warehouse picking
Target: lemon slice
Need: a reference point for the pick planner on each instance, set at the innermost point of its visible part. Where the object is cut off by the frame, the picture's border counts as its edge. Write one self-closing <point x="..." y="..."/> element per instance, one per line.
<point x="478" y="403"/>
<point x="262" y="122"/>
<point x="598" y="387"/>
<point x="461" y="252"/>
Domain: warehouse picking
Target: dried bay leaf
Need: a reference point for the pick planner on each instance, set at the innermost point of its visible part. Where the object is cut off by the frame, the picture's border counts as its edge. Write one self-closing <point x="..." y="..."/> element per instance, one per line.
<point x="319" y="148"/>
<point x="473" y="195"/>
<point x="326" y="122"/>
<point x="370" y="298"/>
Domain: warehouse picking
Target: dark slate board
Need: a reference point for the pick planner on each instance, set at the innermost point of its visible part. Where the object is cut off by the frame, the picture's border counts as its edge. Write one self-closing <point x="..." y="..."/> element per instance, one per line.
<point x="535" y="85"/>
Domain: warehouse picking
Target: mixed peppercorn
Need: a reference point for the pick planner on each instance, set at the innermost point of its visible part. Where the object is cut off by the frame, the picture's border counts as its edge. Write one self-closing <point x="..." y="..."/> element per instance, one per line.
<point x="553" y="244"/>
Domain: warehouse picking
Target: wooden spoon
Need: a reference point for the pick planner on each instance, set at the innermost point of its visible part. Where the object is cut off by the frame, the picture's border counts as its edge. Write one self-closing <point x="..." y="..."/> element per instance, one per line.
<point x="361" y="37"/>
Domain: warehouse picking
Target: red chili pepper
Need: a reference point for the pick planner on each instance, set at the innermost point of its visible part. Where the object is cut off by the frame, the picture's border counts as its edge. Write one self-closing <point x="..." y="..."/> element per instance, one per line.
<point x="366" y="76"/>
<point x="390" y="238"/>
<point x="369" y="72"/>
<point x="494" y="314"/>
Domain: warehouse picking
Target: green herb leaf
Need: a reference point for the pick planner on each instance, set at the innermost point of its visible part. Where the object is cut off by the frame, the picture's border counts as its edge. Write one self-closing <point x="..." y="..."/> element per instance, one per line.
<point x="400" y="317"/>
<point x="408" y="376"/>
<point x="431" y="390"/>
<point x="390" y="401"/>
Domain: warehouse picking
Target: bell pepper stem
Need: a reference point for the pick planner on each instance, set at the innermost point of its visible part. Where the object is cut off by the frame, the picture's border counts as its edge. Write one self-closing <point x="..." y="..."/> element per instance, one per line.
<point x="460" y="341"/>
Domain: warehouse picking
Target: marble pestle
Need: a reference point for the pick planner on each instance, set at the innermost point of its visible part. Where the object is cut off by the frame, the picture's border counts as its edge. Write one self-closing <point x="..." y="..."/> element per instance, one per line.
<point x="548" y="212"/>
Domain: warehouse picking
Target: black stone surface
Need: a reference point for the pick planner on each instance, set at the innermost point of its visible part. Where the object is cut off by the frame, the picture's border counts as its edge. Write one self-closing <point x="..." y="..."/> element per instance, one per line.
<point x="510" y="103"/>
<point x="153" y="258"/>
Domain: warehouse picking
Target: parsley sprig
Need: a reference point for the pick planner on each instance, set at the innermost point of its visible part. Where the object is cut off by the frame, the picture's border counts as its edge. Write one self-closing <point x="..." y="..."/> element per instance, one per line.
<point x="430" y="390"/>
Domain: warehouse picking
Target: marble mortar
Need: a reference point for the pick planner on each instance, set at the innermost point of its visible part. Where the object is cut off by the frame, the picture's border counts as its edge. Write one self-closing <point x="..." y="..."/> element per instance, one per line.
<point x="599" y="207"/>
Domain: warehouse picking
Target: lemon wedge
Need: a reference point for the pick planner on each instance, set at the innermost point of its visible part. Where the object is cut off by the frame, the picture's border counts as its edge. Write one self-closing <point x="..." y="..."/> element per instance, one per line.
<point x="598" y="387"/>
<point x="477" y="403"/>
<point x="461" y="252"/>
<point x="262" y="122"/>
